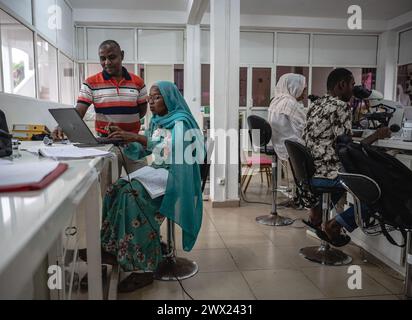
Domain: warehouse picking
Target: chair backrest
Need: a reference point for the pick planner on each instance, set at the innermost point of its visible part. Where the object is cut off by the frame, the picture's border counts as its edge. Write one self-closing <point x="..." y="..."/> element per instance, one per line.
<point x="265" y="130"/>
<point x="361" y="186"/>
<point x="205" y="167"/>
<point x="301" y="162"/>
<point x="364" y="190"/>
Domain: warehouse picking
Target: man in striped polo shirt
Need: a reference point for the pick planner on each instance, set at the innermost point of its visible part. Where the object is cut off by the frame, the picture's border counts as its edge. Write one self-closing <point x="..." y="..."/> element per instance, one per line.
<point x="118" y="96"/>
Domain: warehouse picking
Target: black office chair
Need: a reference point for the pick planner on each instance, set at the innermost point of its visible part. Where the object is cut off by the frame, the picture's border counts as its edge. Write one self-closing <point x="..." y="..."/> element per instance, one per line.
<point x="260" y="127"/>
<point x="174" y="268"/>
<point x="303" y="169"/>
<point x="366" y="190"/>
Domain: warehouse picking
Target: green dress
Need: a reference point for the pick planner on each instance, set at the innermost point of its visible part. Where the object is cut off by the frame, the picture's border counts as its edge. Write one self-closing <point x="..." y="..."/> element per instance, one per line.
<point x="131" y="223"/>
<point x="131" y="219"/>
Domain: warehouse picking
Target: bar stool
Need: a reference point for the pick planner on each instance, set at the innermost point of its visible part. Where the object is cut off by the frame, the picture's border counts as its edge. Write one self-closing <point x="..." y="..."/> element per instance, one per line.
<point x="260" y="125"/>
<point x="303" y="169"/>
<point x="365" y="189"/>
<point x="174" y="268"/>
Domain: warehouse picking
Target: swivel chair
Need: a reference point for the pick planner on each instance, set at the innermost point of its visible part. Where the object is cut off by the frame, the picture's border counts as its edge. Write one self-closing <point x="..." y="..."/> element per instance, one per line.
<point x="260" y="125"/>
<point x="365" y="189"/>
<point x="303" y="169"/>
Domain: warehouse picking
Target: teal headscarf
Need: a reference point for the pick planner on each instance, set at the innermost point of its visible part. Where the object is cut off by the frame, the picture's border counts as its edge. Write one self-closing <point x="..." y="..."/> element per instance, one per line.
<point x="182" y="201"/>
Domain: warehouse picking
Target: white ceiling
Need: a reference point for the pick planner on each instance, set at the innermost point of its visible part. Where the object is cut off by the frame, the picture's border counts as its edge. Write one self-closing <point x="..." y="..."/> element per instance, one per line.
<point x="169" y="5"/>
<point x="372" y="9"/>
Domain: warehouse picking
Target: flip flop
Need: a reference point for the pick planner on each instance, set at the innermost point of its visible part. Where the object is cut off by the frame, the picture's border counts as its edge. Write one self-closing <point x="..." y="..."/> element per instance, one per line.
<point x="340" y="241"/>
<point x="314" y="227"/>
<point x="135" y="281"/>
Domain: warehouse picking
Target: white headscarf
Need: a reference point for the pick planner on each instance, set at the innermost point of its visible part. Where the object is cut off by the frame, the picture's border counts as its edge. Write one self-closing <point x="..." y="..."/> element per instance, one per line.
<point x="403" y="98"/>
<point x="289" y="87"/>
<point x="286" y="115"/>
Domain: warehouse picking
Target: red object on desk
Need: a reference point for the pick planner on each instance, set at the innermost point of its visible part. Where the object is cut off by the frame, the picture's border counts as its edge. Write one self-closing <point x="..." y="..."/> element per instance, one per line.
<point x="61" y="167"/>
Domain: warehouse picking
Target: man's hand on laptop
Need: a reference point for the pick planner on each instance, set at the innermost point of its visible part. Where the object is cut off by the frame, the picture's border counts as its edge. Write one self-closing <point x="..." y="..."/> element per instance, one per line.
<point x="58" y="134"/>
<point x="111" y="128"/>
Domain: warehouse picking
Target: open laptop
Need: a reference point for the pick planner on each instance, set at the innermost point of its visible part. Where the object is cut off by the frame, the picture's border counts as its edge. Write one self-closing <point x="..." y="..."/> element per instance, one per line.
<point x="76" y="129"/>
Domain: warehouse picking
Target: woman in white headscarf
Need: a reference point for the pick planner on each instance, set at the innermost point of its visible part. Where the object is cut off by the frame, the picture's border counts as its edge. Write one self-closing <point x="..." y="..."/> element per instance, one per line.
<point x="403" y="98"/>
<point x="286" y="115"/>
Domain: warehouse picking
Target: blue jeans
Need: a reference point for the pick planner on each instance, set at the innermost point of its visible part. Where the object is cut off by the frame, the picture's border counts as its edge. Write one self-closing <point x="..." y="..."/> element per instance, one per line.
<point x="347" y="218"/>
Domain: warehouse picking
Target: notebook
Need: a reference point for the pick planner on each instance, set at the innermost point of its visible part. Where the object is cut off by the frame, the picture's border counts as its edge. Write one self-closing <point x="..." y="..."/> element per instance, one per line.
<point x="153" y="180"/>
<point x="28" y="176"/>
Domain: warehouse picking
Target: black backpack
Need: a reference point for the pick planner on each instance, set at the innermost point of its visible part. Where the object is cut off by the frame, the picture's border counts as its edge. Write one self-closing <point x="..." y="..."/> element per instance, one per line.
<point x="5" y="138"/>
<point x="394" y="207"/>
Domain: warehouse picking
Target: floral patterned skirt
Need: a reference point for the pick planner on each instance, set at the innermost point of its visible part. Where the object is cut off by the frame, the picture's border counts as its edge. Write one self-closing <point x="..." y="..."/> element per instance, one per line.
<point x="131" y="226"/>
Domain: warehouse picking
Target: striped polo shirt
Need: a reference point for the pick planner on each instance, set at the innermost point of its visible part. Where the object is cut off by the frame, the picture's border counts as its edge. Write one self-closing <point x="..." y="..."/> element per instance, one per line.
<point x="114" y="102"/>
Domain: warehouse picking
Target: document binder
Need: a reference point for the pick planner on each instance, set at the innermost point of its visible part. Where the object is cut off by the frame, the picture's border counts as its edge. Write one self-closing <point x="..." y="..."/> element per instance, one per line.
<point x="62" y="167"/>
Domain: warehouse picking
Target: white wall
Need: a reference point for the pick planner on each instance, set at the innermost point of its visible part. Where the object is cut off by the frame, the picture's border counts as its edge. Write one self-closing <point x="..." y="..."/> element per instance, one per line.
<point x="23" y="110"/>
<point x="20" y="7"/>
<point x="125" y="37"/>
<point x="344" y="50"/>
<point x="161" y="46"/>
<point x="65" y="35"/>
<point x="293" y="48"/>
<point x="405" y="47"/>
<point x="256" y="47"/>
<point x="41" y="18"/>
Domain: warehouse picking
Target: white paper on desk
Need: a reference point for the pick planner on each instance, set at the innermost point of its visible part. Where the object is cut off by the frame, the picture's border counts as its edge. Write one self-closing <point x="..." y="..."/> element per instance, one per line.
<point x="71" y="152"/>
<point x="3" y="162"/>
<point x="35" y="149"/>
<point x="153" y="180"/>
<point x="26" y="172"/>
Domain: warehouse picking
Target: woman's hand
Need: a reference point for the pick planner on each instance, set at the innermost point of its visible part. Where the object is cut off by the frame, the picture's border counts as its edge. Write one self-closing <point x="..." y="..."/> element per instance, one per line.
<point x="125" y="136"/>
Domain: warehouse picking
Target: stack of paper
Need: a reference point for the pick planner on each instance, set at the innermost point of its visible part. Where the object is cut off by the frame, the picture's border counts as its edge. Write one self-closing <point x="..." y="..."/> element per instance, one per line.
<point x="26" y="172"/>
<point x="153" y="180"/>
<point x="68" y="152"/>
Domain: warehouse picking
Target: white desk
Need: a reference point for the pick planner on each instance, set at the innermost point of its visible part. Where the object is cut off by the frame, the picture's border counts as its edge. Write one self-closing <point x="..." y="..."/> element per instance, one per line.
<point x="394" y="143"/>
<point x="378" y="245"/>
<point x="30" y="222"/>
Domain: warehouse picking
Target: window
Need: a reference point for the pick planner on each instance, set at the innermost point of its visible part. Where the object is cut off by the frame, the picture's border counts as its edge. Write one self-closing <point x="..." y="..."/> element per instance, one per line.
<point x="319" y="78"/>
<point x="364" y="76"/>
<point x="261" y="82"/>
<point x="94" y="68"/>
<point x="82" y="74"/>
<point x="304" y="71"/>
<point x="66" y="75"/>
<point x="179" y="77"/>
<point x="205" y="85"/>
<point x="140" y="68"/>
<point x="243" y="86"/>
<point x="18" y="57"/>
<point x="405" y="82"/>
<point x="47" y="65"/>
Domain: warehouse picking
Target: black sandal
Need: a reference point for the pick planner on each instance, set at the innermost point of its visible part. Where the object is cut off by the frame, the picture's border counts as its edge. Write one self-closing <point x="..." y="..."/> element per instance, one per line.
<point x="135" y="281"/>
<point x="340" y="241"/>
<point x="311" y="225"/>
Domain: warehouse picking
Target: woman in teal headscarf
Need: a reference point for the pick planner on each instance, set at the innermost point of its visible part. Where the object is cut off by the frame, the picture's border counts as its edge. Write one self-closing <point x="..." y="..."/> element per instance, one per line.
<point x="131" y="218"/>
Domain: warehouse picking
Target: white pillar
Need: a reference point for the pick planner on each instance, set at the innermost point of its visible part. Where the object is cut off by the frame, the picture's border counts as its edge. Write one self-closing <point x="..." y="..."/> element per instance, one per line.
<point x="387" y="64"/>
<point x="192" y="72"/>
<point x="224" y="100"/>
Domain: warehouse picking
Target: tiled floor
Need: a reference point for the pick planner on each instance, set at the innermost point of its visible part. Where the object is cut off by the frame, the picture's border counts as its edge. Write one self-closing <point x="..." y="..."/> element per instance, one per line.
<point x="240" y="259"/>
